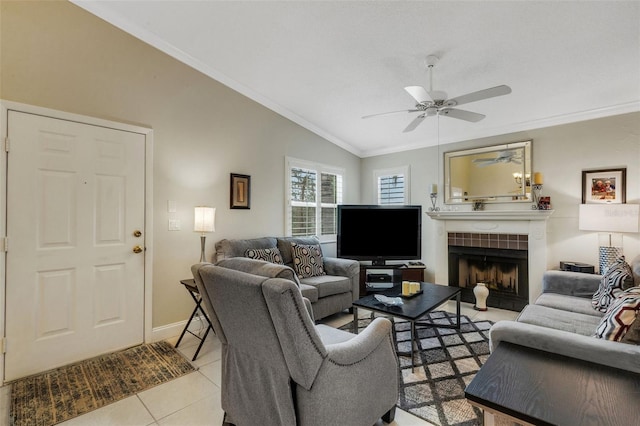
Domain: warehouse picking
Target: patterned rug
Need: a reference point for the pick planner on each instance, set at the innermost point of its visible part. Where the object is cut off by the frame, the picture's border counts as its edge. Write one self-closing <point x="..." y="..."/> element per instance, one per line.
<point x="446" y="362"/>
<point x="66" y="392"/>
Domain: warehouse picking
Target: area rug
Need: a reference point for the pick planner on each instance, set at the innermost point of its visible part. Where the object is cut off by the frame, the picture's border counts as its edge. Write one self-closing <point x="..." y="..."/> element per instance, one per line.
<point x="446" y="362"/>
<point x="66" y="392"/>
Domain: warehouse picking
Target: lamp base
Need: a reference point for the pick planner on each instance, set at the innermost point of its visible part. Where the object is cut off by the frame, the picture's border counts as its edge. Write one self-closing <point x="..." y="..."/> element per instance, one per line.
<point x="202" y="257"/>
<point x="608" y="256"/>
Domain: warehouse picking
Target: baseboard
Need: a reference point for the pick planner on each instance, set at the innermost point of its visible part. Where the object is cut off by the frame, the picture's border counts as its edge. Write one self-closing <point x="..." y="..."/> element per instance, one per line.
<point x="168" y="331"/>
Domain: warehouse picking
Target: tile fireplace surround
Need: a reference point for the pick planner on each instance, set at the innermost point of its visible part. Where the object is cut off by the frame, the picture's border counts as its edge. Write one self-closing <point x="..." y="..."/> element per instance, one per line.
<point x="532" y="223"/>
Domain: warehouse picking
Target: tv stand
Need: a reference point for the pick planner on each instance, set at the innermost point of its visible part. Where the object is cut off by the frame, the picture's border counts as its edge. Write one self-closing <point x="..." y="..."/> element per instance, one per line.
<point x="408" y="274"/>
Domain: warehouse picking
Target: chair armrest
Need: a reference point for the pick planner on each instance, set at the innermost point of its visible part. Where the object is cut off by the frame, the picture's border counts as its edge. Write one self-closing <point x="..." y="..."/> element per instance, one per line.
<point x="307" y="304"/>
<point x="614" y="354"/>
<point x="377" y="334"/>
<point x="344" y="268"/>
<point x="570" y="283"/>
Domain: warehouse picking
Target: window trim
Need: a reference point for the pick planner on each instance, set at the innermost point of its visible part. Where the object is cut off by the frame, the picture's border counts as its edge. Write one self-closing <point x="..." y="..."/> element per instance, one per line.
<point x="291" y="162"/>
<point x="400" y="170"/>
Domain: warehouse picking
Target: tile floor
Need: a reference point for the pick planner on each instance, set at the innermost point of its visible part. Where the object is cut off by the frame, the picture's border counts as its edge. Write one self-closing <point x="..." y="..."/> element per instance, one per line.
<point x="194" y="399"/>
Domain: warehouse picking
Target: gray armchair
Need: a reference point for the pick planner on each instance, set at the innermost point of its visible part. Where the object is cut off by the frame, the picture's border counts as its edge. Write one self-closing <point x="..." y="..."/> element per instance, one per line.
<point x="278" y="368"/>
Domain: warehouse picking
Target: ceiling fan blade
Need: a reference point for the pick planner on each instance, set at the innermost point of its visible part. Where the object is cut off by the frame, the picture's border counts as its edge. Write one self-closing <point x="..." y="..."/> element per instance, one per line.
<point x="415" y="123"/>
<point x="484" y="162"/>
<point x="418" y="93"/>
<point x="392" y="112"/>
<point x="479" y="95"/>
<point x="461" y="114"/>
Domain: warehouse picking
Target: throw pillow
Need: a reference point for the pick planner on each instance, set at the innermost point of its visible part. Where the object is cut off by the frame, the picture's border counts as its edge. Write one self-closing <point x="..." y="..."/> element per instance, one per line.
<point x="632" y="336"/>
<point x="620" y="315"/>
<point x="613" y="282"/>
<point x="307" y="260"/>
<point x="268" y="255"/>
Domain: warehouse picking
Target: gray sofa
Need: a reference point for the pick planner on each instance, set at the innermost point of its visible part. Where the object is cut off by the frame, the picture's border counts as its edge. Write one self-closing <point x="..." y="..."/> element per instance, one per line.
<point x="563" y="321"/>
<point x="328" y="294"/>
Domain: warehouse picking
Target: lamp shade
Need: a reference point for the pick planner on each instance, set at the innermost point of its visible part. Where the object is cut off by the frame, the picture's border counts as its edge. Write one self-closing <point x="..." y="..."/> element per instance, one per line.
<point x="609" y="217"/>
<point x="204" y="220"/>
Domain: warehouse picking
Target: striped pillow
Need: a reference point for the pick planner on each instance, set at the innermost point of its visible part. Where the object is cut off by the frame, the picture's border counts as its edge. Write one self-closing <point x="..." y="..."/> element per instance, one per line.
<point x="614" y="281"/>
<point x="620" y="315"/>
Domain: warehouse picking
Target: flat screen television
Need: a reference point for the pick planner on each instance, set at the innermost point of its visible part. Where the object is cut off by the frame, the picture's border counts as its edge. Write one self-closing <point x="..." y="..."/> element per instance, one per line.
<point x="379" y="233"/>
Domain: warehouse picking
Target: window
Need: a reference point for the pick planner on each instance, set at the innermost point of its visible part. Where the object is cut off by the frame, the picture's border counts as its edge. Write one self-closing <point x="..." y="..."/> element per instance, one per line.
<point x="392" y="185"/>
<point x="314" y="192"/>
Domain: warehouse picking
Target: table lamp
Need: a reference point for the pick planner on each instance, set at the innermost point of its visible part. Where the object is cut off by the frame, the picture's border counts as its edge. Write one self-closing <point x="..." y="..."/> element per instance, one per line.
<point x="204" y="222"/>
<point x="610" y="220"/>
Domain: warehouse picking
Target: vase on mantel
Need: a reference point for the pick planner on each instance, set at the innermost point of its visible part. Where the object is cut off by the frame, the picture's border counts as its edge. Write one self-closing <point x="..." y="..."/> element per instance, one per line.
<point x="481" y="292"/>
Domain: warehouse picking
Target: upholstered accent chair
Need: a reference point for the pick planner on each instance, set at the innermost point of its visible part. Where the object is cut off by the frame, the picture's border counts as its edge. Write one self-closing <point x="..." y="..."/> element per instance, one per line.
<point x="279" y="368"/>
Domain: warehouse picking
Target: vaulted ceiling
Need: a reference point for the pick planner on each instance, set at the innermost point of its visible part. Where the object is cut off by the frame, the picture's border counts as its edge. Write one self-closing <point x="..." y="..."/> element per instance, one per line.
<point x="325" y="64"/>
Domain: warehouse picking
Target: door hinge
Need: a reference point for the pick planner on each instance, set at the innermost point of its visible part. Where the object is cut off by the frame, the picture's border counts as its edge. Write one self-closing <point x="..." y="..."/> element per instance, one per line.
<point x="3" y="345"/>
<point x="5" y="244"/>
<point x="6" y="144"/>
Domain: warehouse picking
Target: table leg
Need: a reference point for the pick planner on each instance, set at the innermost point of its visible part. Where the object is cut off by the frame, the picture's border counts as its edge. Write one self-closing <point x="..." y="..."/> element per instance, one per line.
<point x="413" y="336"/>
<point x="458" y="310"/>
<point x="354" y="326"/>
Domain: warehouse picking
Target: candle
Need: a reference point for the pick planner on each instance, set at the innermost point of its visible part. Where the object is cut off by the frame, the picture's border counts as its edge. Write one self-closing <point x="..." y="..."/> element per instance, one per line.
<point x="405" y="288"/>
<point x="434" y="188"/>
<point x="537" y="178"/>
<point x="414" y="287"/>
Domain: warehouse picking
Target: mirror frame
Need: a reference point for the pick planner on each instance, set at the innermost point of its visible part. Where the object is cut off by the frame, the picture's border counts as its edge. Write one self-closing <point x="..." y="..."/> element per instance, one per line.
<point x="486" y="195"/>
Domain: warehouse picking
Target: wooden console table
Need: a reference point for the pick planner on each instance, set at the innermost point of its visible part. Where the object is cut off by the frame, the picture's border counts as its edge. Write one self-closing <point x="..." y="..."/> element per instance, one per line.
<point x="541" y="388"/>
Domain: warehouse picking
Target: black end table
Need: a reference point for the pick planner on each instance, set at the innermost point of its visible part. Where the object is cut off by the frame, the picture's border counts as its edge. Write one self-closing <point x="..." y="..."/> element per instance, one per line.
<point x="190" y="285"/>
<point x="543" y="388"/>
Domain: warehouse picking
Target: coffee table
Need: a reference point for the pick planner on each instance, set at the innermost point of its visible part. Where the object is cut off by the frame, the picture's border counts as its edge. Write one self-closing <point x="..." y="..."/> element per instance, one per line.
<point x="412" y="309"/>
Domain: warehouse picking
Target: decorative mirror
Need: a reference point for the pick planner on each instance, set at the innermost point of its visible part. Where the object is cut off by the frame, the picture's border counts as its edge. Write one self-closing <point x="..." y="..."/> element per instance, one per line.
<point x="491" y="174"/>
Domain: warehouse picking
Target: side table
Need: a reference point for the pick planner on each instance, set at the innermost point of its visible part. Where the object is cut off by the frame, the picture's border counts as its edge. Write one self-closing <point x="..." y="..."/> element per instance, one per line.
<point x="191" y="287"/>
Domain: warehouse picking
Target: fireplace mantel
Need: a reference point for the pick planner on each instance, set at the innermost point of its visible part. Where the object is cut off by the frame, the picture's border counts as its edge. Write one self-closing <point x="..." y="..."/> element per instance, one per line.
<point x="492" y="215"/>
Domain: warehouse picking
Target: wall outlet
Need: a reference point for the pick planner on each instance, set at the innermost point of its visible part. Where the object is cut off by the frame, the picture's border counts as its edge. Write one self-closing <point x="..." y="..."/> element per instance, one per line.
<point x="174" y="225"/>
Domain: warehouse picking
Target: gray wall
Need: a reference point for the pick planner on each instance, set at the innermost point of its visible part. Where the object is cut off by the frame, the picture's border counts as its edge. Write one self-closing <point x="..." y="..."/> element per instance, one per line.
<point x="560" y="153"/>
<point x="58" y="56"/>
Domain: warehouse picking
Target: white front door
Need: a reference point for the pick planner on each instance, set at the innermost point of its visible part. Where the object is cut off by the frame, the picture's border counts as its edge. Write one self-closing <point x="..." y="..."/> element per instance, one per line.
<point x="75" y="213"/>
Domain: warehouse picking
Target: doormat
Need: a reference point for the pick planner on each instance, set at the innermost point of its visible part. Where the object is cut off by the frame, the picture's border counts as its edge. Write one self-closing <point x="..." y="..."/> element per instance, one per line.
<point x="446" y="361"/>
<point x="66" y="392"/>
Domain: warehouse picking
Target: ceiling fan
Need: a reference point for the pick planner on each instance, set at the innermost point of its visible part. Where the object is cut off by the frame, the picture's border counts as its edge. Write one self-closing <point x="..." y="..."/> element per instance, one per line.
<point x="509" y="156"/>
<point x="435" y="102"/>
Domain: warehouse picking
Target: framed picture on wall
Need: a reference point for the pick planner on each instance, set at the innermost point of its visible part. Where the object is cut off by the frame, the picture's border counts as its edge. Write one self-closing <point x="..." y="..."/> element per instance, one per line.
<point x="604" y="186"/>
<point x="240" y="191"/>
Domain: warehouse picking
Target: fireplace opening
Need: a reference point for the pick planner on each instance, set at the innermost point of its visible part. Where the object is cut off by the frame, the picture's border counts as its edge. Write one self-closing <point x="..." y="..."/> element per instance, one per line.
<point x="504" y="271"/>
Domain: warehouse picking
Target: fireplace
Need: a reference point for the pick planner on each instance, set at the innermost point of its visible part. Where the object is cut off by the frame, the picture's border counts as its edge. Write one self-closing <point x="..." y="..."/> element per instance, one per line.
<point x="523" y="229"/>
<point x="498" y="260"/>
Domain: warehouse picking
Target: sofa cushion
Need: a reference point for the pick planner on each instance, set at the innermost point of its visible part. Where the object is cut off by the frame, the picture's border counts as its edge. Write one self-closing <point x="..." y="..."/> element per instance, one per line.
<point x="307" y="260"/>
<point x="580" y="305"/>
<point x="284" y="245"/>
<point x="620" y="315"/>
<point x="310" y="292"/>
<point x="618" y="277"/>
<point x="268" y="255"/>
<point x="328" y="285"/>
<point x="560" y="320"/>
<point x="237" y="248"/>
<point x="259" y="267"/>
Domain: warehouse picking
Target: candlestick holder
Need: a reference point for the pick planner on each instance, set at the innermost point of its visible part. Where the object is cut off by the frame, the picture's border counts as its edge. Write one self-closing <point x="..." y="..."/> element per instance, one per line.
<point x="434" y="198"/>
<point x="536" y="190"/>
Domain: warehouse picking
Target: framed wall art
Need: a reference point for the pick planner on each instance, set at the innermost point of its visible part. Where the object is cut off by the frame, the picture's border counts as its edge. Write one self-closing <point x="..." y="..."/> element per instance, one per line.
<point x="240" y="191"/>
<point x="604" y="186"/>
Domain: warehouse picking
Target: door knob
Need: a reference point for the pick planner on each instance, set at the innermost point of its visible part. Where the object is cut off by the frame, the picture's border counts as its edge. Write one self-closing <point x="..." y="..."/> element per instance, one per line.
<point x="137" y="233"/>
<point x="137" y="249"/>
